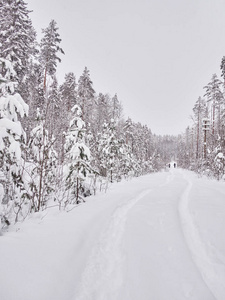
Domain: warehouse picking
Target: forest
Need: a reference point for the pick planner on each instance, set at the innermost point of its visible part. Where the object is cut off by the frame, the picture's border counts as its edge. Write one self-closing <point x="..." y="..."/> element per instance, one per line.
<point x="60" y="143"/>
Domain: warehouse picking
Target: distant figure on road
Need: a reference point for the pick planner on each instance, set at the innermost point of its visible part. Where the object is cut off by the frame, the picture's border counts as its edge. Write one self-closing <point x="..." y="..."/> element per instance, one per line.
<point x="174" y="165"/>
<point x="169" y="165"/>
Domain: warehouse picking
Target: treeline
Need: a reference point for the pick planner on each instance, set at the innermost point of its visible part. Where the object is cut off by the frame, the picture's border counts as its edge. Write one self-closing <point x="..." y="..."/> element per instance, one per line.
<point x="58" y="143"/>
<point x="202" y="147"/>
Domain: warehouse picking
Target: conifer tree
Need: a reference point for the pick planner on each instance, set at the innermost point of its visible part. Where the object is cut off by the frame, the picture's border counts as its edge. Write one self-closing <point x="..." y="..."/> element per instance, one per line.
<point x="219" y="163"/>
<point x="68" y="92"/>
<point x="17" y="35"/>
<point x="222" y="67"/>
<point x="214" y="97"/>
<point x="43" y="163"/>
<point x="77" y="156"/>
<point x="32" y="91"/>
<point x="86" y="95"/>
<point x="200" y="112"/>
<point x="102" y="114"/>
<point x="116" y="108"/>
<point x="12" y="137"/>
<point x="53" y="110"/>
<point x="109" y="151"/>
<point x="68" y="98"/>
<point x="49" y="50"/>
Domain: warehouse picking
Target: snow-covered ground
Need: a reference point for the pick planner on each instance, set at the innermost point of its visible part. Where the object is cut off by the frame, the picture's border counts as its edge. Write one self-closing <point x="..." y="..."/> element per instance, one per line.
<point x="157" y="237"/>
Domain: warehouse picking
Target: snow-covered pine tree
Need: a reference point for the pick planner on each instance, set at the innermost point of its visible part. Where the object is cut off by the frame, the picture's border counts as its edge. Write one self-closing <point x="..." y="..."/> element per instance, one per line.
<point x="68" y="98"/>
<point x="215" y="98"/>
<point x="200" y="112"/>
<point x="148" y="150"/>
<point x="116" y="108"/>
<point x="128" y="129"/>
<point x="109" y="152"/>
<point x="54" y="109"/>
<point x="138" y="147"/>
<point x="222" y="110"/>
<point x="32" y="91"/>
<point x="77" y="157"/>
<point x="42" y="165"/>
<point x="222" y="67"/>
<point x="68" y="92"/>
<point x="102" y="113"/>
<point x="17" y="35"/>
<point x="126" y="161"/>
<point x="12" y="137"/>
<point x="222" y="118"/>
<point x="219" y="164"/>
<point x="86" y="95"/>
<point x="187" y="156"/>
<point x="49" y="50"/>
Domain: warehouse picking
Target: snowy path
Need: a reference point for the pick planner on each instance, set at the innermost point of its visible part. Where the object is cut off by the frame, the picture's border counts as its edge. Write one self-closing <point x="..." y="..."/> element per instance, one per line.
<point x="211" y="266"/>
<point x="157" y="237"/>
<point x="103" y="276"/>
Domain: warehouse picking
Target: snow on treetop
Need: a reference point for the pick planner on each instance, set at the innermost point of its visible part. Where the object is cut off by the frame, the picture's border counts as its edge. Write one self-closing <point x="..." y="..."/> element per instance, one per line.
<point x="10" y="105"/>
<point x="76" y="109"/>
<point x="8" y="65"/>
<point x="7" y="127"/>
<point x="220" y="155"/>
<point x="76" y="124"/>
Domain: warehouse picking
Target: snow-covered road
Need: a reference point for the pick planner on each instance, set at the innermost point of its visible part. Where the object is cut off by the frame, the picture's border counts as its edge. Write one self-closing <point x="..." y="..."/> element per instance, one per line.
<point x="157" y="237"/>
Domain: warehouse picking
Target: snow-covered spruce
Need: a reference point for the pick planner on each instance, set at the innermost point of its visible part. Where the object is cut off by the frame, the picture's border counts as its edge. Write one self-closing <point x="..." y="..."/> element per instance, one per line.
<point x="41" y="167"/>
<point x="77" y="157"/>
<point x="17" y="35"/>
<point x="12" y="137"/>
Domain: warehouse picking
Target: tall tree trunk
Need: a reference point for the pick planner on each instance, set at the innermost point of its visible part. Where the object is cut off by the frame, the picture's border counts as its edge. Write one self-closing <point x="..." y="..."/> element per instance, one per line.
<point x="197" y="146"/>
<point x="77" y="195"/>
<point x="45" y="79"/>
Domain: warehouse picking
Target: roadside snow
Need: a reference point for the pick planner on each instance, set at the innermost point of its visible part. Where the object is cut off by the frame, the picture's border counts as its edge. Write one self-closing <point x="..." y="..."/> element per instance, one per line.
<point x="209" y="260"/>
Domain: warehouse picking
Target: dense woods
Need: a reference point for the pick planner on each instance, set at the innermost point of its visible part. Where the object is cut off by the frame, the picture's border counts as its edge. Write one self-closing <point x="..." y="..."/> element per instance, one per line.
<point x="62" y="142"/>
<point x="202" y="147"/>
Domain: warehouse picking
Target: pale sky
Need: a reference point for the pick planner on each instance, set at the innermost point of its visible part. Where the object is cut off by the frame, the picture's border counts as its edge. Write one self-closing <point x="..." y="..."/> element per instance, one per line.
<point x="155" y="54"/>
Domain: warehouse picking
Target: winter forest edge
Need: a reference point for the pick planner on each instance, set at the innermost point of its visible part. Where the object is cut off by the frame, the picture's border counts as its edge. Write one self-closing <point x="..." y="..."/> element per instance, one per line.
<point x="62" y="143"/>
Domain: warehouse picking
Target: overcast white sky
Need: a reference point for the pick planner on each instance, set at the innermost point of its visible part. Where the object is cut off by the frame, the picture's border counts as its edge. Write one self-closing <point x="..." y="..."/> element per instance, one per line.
<point x="155" y="54"/>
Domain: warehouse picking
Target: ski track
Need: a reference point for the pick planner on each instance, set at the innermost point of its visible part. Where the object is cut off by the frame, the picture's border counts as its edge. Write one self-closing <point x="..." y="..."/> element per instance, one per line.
<point x="169" y="178"/>
<point x="102" y="277"/>
<point x="211" y="269"/>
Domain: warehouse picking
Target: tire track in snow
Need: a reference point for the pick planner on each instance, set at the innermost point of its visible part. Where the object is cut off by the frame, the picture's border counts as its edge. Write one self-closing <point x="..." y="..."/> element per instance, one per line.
<point x="169" y="178"/>
<point x="102" y="277"/>
<point x="213" y="273"/>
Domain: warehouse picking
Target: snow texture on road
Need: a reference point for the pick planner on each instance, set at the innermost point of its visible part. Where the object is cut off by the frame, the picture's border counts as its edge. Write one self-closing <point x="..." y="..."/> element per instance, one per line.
<point x="211" y="267"/>
<point x="102" y="278"/>
<point x="156" y="237"/>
